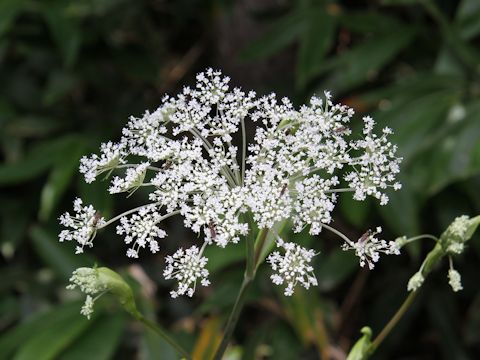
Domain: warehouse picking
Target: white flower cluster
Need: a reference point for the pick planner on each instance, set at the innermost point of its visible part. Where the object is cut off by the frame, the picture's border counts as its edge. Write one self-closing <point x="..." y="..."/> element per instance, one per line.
<point x="111" y="155"/>
<point x="369" y="247"/>
<point x="455" y="237"/>
<point x="455" y="280"/>
<point x="293" y="267"/>
<point x="192" y="165"/>
<point x="84" y="225"/>
<point x="141" y="229"/>
<point x="133" y="179"/>
<point x="86" y="279"/>
<point x="376" y="167"/>
<point x="186" y="266"/>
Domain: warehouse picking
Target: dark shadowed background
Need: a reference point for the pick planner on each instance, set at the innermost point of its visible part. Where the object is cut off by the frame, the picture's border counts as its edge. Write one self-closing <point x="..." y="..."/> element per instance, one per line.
<point x="71" y="72"/>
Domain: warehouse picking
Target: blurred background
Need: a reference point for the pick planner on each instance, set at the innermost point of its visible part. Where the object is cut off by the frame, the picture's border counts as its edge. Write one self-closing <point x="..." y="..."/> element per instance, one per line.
<point x="71" y="72"/>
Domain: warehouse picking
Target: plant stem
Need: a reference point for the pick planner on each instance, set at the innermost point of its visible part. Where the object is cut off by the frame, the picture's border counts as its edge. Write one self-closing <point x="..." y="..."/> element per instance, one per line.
<point x="233" y="318"/>
<point x="335" y="231"/>
<point x="155" y="328"/>
<point x="259" y="243"/>
<point x="112" y="220"/>
<point x="252" y="246"/>
<point x="393" y="321"/>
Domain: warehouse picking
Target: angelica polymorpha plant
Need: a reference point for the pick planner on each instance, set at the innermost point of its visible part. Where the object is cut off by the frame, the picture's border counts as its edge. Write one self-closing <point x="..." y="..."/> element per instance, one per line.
<point x="186" y="155"/>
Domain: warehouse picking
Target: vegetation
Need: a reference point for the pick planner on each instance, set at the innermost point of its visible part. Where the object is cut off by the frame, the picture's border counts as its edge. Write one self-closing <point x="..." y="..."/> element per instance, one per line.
<point x="73" y="71"/>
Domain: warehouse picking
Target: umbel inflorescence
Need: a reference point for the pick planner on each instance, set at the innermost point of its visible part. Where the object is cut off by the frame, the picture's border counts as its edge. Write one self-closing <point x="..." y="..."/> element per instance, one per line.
<point x="186" y="154"/>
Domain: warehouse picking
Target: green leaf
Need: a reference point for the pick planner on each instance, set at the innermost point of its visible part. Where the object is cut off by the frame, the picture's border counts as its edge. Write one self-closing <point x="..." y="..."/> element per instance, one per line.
<point x="467" y="17"/>
<point x="280" y="34"/>
<point x="59" y="179"/>
<point x="50" y="341"/>
<point x="64" y="29"/>
<point x="363" y="62"/>
<point x="59" y="256"/>
<point x="40" y="158"/>
<point x="18" y="336"/>
<point x="368" y="21"/>
<point x="100" y="342"/>
<point x="455" y="157"/>
<point x="415" y="121"/>
<point x="315" y="41"/>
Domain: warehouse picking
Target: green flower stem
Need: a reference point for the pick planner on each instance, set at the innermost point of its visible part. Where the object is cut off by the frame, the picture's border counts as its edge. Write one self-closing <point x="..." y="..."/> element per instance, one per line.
<point x="419" y="237"/>
<point x="393" y="321"/>
<point x="155" y="328"/>
<point x="250" y="270"/>
<point x="259" y="244"/>
<point x="254" y="248"/>
<point x="233" y="318"/>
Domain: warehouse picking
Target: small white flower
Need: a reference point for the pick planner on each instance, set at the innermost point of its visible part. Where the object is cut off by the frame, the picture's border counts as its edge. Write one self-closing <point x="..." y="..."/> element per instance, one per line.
<point x="142" y="229"/>
<point x="87" y="280"/>
<point x="369" y="247"/>
<point x="133" y="179"/>
<point x="313" y="203"/>
<point x="87" y="307"/>
<point x="111" y="155"/>
<point x="187" y="267"/>
<point x="455" y="280"/>
<point x="293" y="267"/>
<point x="84" y="224"/>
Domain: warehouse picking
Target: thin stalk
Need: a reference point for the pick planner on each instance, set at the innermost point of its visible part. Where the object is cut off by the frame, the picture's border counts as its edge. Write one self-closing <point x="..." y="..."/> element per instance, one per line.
<point x="339" y="190"/>
<point x="122" y="166"/>
<point x="259" y="243"/>
<point x="394" y="320"/>
<point x="159" y="331"/>
<point x="423" y="236"/>
<point x="112" y="220"/>
<point x="233" y="318"/>
<point x="251" y="244"/>
<point x="250" y="270"/>
<point x="335" y="231"/>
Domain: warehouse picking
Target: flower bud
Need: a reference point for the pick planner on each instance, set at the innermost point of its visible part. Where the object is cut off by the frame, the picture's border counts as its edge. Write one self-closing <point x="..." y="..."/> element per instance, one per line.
<point x="401" y="241"/>
<point x="458" y="233"/>
<point x="415" y="281"/>
<point x="92" y="281"/>
<point x="455" y="280"/>
<point x="363" y="347"/>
